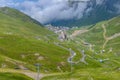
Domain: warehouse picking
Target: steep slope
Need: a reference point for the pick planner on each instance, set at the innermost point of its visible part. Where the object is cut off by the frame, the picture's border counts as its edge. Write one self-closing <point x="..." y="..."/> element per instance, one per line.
<point x="17" y="14"/>
<point x="103" y="33"/>
<point x="14" y="22"/>
<point x="96" y="54"/>
<point x="24" y="42"/>
<point x="13" y="76"/>
<point x="101" y="43"/>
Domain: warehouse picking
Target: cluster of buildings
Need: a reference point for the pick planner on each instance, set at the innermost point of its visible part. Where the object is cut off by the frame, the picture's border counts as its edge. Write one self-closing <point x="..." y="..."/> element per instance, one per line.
<point x="61" y="31"/>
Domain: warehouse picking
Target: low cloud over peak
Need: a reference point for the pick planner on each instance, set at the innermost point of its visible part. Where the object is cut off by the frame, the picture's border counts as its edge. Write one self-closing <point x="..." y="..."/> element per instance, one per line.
<point x="46" y="11"/>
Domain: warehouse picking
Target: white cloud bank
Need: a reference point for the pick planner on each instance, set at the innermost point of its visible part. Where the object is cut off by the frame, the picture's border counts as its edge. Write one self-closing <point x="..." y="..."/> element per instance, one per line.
<point x="50" y="10"/>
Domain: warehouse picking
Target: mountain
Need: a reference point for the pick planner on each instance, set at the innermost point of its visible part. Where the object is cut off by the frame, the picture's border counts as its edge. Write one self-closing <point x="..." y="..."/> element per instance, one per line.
<point x="18" y="15"/>
<point x="13" y="76"/>
<point x="16" y="21"/>
<point x="97" y="52"/>
<point x="25" y="42"/>
<point x="103" y="35"/>
<point x="96" y="11"/>
<point x="90" y="52"/>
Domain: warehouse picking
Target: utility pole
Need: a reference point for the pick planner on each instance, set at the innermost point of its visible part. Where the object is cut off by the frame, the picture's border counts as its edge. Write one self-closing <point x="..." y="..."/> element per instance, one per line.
<point x="38" y="71"/>
<point x="71" y="65"/>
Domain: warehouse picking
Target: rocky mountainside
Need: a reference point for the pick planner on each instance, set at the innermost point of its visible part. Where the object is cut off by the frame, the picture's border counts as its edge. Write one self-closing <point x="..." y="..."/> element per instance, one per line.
<point x="96" y="11"/>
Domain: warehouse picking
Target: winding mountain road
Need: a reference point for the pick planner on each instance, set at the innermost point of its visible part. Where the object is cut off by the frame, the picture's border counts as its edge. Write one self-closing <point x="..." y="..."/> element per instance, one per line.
<point x="104" y="35"/>
<point x="78" y="32"/>
<point x="108" y="38"/>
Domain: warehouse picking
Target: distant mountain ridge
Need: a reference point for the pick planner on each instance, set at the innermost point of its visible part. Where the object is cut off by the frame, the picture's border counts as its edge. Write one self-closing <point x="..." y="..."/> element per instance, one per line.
<point x="17" y="14"/>
<point x="99" y="11"/>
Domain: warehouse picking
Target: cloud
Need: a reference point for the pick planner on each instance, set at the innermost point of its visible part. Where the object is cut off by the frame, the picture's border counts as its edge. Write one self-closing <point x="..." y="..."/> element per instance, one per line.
<point x="46" y="11"/>
<point x="4" y="3"/>
<point x="118" y="7"/>
<point x="99" y="2"/>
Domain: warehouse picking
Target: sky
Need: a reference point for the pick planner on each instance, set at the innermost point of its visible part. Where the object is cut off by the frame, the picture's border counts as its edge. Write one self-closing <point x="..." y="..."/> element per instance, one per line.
<point x="46" y="11"/>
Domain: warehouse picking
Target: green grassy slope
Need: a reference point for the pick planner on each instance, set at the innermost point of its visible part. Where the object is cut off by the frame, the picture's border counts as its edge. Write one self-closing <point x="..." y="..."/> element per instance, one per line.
<point x="95" y="34"/>
<point x="95" y="37"/>
<point x="87" y="74"/>
<point x="101" y="65"/>
<point x="13" y="76"/>
<point x="12" y="22"/>
<point x="24" y="42"/>
<point x="17" y="15"/>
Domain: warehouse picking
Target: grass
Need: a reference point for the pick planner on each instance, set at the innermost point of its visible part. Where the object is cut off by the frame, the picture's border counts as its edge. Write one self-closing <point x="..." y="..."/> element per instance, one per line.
<point x="22" y="39"/>
<point x="113" y="26"/>
<point x="95" y="70"/>
<point x="13" y="76"/>
<point x="24" y="43"/>
<point x="28" y="49"/>
<point x="87" y="74"/>
<point x="95" y="34"/>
